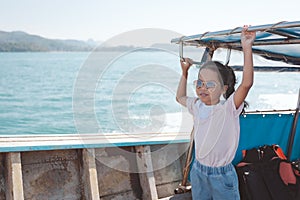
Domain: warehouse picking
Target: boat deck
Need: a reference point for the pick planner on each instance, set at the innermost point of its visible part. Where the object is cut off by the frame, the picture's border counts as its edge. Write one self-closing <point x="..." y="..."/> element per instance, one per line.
<point x="184" y="196"/>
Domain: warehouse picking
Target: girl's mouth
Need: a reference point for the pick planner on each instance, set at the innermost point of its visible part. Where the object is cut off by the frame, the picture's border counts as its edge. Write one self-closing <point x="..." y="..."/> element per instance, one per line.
<point x="203" y="95"/>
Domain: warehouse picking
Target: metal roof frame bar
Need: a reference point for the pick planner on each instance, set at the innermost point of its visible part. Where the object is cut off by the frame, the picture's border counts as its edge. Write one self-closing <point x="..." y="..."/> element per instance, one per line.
<point x="263" y="28"/>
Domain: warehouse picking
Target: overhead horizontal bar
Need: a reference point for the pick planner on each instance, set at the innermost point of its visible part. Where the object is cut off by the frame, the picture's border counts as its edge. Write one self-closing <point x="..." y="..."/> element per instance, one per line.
<point x="217" y="43"/>
<point x="262" y="28"/>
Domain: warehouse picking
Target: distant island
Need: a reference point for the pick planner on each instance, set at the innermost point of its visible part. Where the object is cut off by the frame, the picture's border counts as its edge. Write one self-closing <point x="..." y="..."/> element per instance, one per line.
<point x="19" y="41"/>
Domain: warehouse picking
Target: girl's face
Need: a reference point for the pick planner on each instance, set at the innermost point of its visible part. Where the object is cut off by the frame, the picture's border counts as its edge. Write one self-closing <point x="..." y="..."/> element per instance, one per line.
<point x="209" y="88"/>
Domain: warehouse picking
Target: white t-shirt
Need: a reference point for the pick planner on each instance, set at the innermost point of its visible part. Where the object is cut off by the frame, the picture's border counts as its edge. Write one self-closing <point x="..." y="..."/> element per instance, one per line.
<point x="217" y="131"/>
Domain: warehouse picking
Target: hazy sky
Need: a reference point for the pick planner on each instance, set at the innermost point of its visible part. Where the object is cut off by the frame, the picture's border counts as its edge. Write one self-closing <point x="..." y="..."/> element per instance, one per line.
<point x="101" y="20"/>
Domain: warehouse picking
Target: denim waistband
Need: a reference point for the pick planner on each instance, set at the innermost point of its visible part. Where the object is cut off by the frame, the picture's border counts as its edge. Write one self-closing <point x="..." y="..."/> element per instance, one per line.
<point x="213" y="170"/>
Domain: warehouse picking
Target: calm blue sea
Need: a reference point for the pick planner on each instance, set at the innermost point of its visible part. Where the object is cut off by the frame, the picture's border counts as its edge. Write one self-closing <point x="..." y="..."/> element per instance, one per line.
<point x="67" y="92"/>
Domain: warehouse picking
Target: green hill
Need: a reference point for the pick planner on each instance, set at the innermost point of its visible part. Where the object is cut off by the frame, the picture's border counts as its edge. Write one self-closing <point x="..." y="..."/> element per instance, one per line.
<point x="18" y="41"/>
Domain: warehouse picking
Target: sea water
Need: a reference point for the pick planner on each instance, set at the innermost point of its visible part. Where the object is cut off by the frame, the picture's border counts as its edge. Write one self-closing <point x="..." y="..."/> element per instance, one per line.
<point x="71" y="92"/>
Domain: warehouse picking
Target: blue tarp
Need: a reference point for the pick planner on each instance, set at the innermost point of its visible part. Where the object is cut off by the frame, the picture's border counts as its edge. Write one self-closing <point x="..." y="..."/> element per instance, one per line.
<point x="266" y="129"/>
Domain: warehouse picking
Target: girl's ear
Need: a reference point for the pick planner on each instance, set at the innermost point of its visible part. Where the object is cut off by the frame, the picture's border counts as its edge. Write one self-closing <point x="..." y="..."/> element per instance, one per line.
<point x="225" y="88"/>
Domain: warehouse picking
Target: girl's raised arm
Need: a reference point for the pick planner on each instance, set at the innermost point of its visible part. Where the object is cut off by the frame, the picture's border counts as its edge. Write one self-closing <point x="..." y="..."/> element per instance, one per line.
<point x="247" y="39"/>
<point x="181" y="90"/>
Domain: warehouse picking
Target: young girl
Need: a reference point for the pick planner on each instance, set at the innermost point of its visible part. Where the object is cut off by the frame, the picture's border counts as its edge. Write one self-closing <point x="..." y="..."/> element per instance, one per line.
<point x="216" y="123"/>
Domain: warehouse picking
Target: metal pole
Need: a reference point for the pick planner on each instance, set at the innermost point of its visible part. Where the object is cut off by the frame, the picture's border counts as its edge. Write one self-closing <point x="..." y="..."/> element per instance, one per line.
<point x="293" y="131"/>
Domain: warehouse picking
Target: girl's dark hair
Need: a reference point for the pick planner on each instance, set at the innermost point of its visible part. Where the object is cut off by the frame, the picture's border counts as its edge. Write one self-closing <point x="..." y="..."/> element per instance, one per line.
<point x="226" y="76"/>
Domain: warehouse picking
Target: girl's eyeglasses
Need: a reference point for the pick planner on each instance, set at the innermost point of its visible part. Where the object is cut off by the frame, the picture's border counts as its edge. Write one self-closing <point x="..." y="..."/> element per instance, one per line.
<point x="210" y="85"/>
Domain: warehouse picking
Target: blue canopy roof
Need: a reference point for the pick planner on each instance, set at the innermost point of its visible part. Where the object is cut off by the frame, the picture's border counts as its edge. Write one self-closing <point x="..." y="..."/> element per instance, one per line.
<point x="279" y="42"/>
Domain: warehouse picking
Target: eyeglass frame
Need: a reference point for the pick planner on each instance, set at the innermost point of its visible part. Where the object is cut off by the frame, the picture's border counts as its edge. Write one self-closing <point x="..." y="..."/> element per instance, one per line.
<point x="202" y="83"/>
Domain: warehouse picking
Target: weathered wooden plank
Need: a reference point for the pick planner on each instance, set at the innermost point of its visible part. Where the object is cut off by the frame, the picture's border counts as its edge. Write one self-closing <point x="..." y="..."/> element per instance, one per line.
<point x="168" y="168"/>
<point x="14" y="179"/>
<point x="147" y="180"/>
<point x="52" y="175"/>
<point x="91" y="191"/>
<point x="115" y="180"/>
<point x="3" y="172"/>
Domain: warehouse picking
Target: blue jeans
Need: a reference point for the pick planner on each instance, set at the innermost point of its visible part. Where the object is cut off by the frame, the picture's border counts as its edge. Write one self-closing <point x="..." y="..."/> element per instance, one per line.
<point x="214" y="183"/>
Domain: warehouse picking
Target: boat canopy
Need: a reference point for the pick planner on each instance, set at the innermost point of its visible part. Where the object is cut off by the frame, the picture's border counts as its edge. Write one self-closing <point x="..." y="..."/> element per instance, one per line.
<point x="278" y="42"/>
